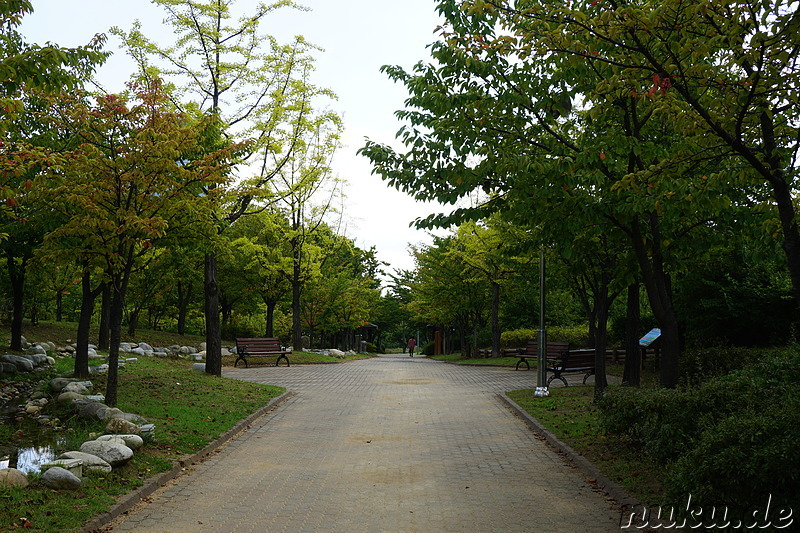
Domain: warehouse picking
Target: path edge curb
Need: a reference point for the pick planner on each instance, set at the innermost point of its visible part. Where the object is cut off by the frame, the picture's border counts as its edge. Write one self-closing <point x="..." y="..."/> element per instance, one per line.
<point x="612" y="489"/>
<point x="127" y="501"/>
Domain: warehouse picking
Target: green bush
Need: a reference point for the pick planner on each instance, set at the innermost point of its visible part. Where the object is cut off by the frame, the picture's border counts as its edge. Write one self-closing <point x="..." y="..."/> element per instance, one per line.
<point x="742" y="460"/>
<point x="728" y="441"/>
<point x="576" y="336"/>
<point x="371" y="348"/>
<point x="428" y="348"/>
<point x="701" y="364"/>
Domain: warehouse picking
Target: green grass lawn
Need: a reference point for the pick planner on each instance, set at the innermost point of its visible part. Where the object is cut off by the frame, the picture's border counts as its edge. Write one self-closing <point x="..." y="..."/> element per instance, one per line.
<point x="569" y="413"/>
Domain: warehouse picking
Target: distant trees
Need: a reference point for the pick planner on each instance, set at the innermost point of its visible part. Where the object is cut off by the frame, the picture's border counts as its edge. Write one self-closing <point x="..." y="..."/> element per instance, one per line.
<point x="619" y="117"/>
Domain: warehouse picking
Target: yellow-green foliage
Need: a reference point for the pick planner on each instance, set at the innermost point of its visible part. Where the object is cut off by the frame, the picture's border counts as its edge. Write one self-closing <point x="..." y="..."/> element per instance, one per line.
<point x="576" y="336"/>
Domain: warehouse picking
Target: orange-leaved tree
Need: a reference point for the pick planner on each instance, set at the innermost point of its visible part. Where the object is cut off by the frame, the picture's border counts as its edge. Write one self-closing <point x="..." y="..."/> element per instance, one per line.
<point x="140" y="175"/>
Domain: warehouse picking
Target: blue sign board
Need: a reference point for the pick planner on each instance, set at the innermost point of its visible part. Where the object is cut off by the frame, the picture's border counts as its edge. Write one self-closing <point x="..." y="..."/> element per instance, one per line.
<point x="648" y="339"/>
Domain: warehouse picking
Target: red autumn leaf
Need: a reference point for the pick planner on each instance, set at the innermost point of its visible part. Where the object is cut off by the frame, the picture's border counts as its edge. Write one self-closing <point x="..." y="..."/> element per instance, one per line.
<point x="602" y="155"/>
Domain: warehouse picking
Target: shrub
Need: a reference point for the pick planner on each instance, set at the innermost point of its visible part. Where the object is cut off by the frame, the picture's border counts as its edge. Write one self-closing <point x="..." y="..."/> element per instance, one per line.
<point x="742" y="460"/>
<point x="701" y="364"/>
<point x="576" y="336"/>
<point x="730" y="441"/>
<point x="428" y="348"/>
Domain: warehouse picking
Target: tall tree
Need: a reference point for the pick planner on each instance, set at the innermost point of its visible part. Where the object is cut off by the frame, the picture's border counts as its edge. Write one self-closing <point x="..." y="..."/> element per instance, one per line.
<point x="258" y="88"/>
<point x="139" y="173"/>
<point x="495" y="113"/>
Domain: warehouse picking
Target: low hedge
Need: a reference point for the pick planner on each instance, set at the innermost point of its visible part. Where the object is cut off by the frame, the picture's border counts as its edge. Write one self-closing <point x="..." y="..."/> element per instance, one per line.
<point x="576" y="336"/>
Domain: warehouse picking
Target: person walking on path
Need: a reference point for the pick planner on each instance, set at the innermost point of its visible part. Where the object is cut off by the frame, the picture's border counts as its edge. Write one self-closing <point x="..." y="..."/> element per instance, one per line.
<point x="412" y="342"/>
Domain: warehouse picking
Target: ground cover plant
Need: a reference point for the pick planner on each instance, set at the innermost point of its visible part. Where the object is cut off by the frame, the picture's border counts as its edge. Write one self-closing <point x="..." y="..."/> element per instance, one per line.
<point x="189" y="409"/>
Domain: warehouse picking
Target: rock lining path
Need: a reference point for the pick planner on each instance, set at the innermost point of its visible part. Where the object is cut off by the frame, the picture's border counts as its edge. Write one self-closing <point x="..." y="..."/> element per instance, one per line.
<point x="389" y="444"/>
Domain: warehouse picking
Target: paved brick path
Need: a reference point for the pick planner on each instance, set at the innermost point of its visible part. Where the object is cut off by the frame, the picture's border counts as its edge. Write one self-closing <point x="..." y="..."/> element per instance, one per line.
<point x="387" y="444"/>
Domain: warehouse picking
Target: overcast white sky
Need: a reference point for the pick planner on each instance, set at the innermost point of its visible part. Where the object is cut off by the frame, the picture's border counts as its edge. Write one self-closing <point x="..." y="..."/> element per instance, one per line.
<point x="359" y="36"/>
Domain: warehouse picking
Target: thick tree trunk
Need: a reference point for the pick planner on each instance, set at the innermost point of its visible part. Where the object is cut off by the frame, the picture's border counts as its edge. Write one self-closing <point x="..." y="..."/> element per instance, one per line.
<point x="213" y="331"/>
<point x="495" y="319"/>
<point x="84" y="324"/>
<point x="633" y="352"/>
<point x="269" y="329"/>
<point x="117" y="302"/>
<point x="659" y="294"/>
<point x="791" y="236"/>
<point x="103" y="341"/>
<point x="603" y="303"/>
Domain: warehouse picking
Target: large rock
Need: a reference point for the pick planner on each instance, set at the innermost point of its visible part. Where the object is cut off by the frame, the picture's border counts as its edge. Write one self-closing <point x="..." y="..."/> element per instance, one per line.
<point x="69" y="397"/>
<point x="90" y="461"/>
<point x="93" y="355"/>
<point x="23" y="364"/>
<point x="134" y="442"/>
<point x="58" y="384"/>
<point x="76" y="386"/>
<point x="7" y="368"/>
<point x="114" y="453"/>
<point x="90" y="409"/>
<point x="336" y="353"/>
<point x="60" y="478"/>
<point x="11" y="477"/>
<point x="146" y="347"/>
<point x="108" y="412"/>
<point x="121" y="426"/>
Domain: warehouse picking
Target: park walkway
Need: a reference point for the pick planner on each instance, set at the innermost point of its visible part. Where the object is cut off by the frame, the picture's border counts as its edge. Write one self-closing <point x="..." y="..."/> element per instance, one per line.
<point x="388" y="444"/>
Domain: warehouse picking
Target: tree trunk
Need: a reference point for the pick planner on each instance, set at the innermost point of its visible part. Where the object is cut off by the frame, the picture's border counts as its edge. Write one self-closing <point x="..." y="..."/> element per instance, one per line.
<point x="183" y="306"/>
<point x="633" y="352"/>
<point x="659" y="294"/>
<point x="133" y="321"/>
<point x="602" y="305"/>
<point x="297" y="325"/>
<point x="84" y="323"/>
<point x="105" y="318"/>
<point x="269" y="329"/>
<point x="495" y="319"/>
<point x="213" y="331"/>
<point x="59" y="306"/>
<point x="791" y="236"/>
<point x="115" y="323"/>
<point x="16" y="274"/>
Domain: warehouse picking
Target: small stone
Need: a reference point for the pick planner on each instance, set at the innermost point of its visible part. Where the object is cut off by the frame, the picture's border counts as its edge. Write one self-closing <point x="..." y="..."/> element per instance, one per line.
<point x="75" y="466"/>
<point x="60" y="478"/>
<point x="134" y="442"/>
<point x="90" y="461"/>
<point x="11" y="477"/>
<point x="119" y="425"/>
<point x="199" y="367"/>
<point x="130" y="417"/>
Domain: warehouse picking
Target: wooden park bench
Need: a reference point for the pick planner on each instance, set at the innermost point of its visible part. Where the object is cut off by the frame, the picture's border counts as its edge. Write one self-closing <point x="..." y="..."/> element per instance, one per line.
<point x="553" y="351"/>
<point x="259" y="347"/>
<point x="572" y="361"/>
